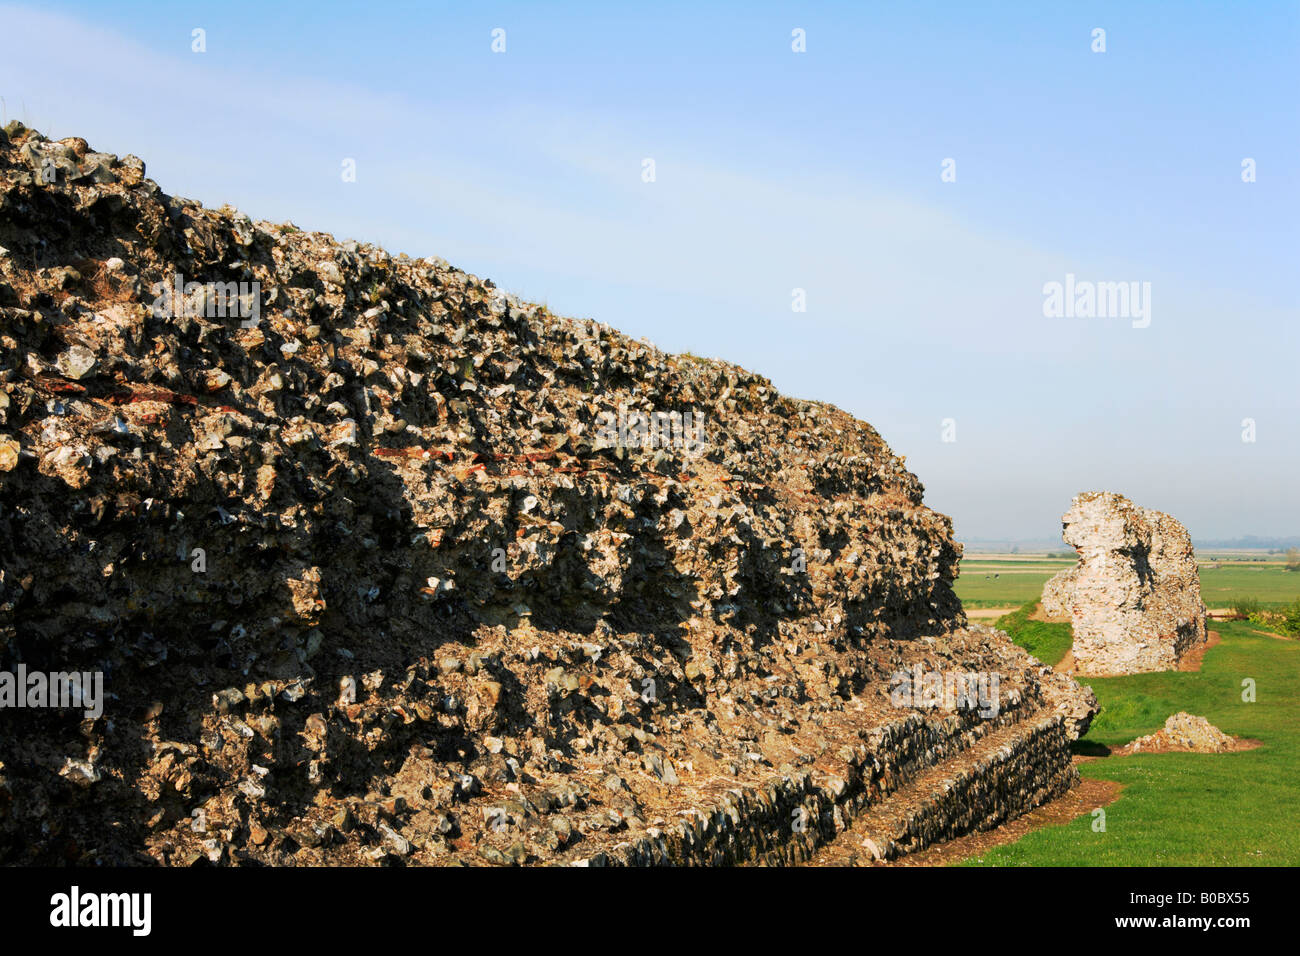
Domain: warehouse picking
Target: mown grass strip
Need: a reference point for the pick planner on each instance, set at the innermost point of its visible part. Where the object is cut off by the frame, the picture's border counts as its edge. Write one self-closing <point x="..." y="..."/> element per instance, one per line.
<point x="1177" y="809"/>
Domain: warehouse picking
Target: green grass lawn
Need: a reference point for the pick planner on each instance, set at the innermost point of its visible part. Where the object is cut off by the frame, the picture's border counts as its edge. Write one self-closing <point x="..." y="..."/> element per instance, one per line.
<point x="1183" y="809"/>
<point x="1047" y="642"/>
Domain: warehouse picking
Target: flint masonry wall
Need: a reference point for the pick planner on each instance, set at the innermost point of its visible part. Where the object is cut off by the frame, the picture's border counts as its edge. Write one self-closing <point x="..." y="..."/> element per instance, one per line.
<point x="759" y="825"/>
<point x="1134" y="599"/>
<point x="1057" y="594"/>
<point x="370" y="584"/>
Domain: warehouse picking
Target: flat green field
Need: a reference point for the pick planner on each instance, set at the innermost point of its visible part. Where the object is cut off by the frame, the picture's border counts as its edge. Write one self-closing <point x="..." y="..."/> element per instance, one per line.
<point x="1005" y="581"/>
<point x="1010" y="581"/>
<point x="1271" y="583"/>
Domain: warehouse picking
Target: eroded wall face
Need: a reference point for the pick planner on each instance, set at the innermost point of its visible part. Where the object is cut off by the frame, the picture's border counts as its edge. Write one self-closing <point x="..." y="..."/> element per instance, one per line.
<point x="388" y="565"/>
<point x="1134" y="599"/>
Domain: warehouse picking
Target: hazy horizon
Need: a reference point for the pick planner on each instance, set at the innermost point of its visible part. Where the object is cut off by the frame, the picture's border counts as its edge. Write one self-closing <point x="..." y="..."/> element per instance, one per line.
<point x="1274" y="543"/>
<point x="777" y="171"/>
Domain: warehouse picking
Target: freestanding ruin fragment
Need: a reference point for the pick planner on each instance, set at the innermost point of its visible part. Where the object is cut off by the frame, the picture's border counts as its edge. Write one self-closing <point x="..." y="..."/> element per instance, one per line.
<point x="1134" y="598"/>
<point x="368" y="580"/>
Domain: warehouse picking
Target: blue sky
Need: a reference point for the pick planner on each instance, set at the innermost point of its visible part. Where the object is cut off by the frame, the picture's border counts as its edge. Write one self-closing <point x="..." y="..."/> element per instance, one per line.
<point x="777" y="170"/>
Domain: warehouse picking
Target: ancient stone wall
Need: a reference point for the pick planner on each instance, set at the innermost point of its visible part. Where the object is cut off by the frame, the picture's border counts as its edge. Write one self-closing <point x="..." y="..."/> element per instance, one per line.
<point x="1056" y="594"/>
<point x="1134" y="599"/>
<point x="381" y="564"/>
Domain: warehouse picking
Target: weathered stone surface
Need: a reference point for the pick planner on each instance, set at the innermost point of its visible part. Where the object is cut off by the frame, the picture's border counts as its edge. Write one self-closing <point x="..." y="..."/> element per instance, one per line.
<point x="1186" y="732"/>
<point x="1134" y="599"/>
<point x="1057" y="594"/>
<point x="369" y="585"/>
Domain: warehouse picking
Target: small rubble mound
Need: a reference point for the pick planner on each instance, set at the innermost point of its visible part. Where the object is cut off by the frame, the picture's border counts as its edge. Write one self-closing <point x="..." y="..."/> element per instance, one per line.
<point x="380" y="565"/>
<point x="1187" y="733"/>
<point x="1134" y="599"/>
